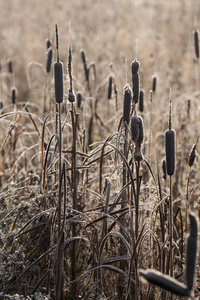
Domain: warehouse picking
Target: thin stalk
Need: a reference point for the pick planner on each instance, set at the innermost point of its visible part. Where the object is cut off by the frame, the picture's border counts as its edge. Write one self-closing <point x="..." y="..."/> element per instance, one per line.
<point x="171" y="231"/>
<point x="74" y="182"/>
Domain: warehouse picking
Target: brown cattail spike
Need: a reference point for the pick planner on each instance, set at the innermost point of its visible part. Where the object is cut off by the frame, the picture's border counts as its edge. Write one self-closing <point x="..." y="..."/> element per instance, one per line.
<point x="49" y="59"/>
<point x="136" y="86"/>
<point x="192" y="154"/>
<point x="79" y="99"/>
<point x="13" y="94"/>
<point x="164" y="169"/>
<point x="170" y="151"/>
<point x="48" y="43"/>
<point x="141" y="101"/>
<point x="191" y="252"/>
<point x="135" y="66"/>
<point x="154" y="83"/>
<point x="127" y="104"/>
<point x="196" y="43"/>
<point x="137" y="136"/>
<point x="110" y="87"/>
<point x="10" y="66"/>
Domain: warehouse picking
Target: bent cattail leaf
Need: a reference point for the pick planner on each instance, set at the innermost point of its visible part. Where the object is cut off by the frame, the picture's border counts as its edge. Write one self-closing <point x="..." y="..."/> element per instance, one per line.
<point x="127" y="104"/>
<point x="49" y="59"/>
<point x="154" y="83"/>
<point x="141" y="101"/>
<point x="196" y="43"/>
<point x="165" y="282"/>
<point x="13" y="94"/>
<point x="136" y="84"/>
<point x="164" y="169"/>
<point x="191" y="252"/>
<point x="110" y="87"/>
<point x="79" y="99"/>
<point x="170" y="151"/>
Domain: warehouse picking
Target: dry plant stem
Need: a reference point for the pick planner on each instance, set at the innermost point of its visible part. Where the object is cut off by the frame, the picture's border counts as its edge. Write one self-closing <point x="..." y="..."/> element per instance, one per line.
<point x="171" y="230"/>
<point x="74" y="182"/>
<point x="187" y="202"/>
<point x="60" y="234"/>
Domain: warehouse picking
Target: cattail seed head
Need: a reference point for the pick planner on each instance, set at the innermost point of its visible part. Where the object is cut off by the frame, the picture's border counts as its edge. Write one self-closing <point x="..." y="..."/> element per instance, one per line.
<point x="10" y="66"/>
<point x="141" y="101"/>
<point x="196" y="43"/>
<point x="48" y="43"/>
<point x="136" y="84"/>
<point x="170" y="151"/>
<point x="127" y="104"/>
<point x="71" y="96"/>
<point x="154" y="83"/>
<point x="135" y="66"/>
<point x="164" y="169"/>
<point x="1" y="105"/>
<point x="58" y="78"/>
<point x="192" y="156"/>
<point x="191" y="252"/>
<point x="49" y="59"/>
<point x="79" y="99"/>
<point x="110" y="87"/>
<point x="137" y="135"/>
<point x="13" y="94"/>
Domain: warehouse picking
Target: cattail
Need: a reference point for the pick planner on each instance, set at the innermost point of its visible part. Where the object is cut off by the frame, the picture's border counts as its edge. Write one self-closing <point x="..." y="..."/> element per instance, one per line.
<point x="13" y="94"/>
<point x="191" y="252"/>
<point x="170" y="151"/>
<point x="141" y="101"/>
<point x="188" y="108"/>
<point x="10" y="66"/>
<point x="49" y="59"/>
<point x="110" y="87"/>
<point x="165" y="281"/>
<point x="164" y="169"/>
<point x="71" y="96"/>
<point x="79" y="98"/>
<point x="135" y="80"/>
<point x="85" y="66"/>
<point x="1" y="105"/>
<point x="137" y="135"/>
<point x="192" y="154"/>
<point x="196" y="43"/>
<point x="58" y="75"/>
<point x="127" y="104"/>
<point x="154" y="83"/>
<point x="135" y="66"/>
<point x="48" y="43"/>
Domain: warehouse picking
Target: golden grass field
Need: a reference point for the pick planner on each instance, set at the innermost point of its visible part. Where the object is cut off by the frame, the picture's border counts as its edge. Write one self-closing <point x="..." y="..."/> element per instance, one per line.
<point x="82" y="216"/>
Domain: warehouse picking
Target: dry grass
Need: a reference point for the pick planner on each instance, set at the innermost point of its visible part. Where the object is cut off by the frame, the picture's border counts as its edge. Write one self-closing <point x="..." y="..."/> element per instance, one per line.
<point x="84" y="206"/>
